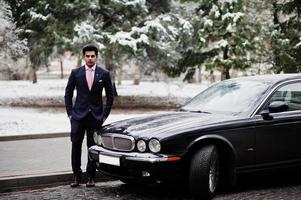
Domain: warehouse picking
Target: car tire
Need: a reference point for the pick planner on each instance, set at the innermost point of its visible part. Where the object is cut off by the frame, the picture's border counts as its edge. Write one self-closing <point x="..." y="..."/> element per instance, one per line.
<point x="204" y="172"/>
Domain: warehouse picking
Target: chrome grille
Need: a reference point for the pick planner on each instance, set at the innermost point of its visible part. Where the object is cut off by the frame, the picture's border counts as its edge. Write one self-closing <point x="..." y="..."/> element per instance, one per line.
<point x="118" y="142"/>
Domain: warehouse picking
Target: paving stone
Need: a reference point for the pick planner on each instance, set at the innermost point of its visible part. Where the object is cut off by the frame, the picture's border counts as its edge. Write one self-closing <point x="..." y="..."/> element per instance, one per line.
<point x="113" y="190"/>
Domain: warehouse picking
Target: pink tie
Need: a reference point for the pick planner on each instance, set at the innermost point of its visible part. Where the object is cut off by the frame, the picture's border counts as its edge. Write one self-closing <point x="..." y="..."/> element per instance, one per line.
<point x="90" y="78"/>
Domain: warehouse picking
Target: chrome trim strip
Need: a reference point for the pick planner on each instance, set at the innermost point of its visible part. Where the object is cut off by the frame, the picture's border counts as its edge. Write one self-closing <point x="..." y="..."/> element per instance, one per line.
<point x="272" y="91"/>
<point x="150" y="160"/>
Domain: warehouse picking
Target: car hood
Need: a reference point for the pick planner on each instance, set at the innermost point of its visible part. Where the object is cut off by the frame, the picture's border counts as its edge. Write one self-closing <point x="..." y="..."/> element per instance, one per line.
<point x="164" y="125"/>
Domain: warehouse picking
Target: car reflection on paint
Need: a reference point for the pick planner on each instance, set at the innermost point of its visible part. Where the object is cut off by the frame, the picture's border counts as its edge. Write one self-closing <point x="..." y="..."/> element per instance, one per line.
<point x="235" y="126"/>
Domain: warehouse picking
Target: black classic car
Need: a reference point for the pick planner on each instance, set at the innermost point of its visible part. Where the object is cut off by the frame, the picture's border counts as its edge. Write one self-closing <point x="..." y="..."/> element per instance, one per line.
<point x="235" y="126"/>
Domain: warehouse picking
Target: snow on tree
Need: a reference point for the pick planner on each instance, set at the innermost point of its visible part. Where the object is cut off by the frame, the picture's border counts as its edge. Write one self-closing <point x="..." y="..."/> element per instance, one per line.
<point x="224" y="38"/>
<point x="285" y="35"/>
<point x="11" y="47"/>
<point x="46" y="24"/>
<point x="135" y="30"/>
<point x="10" y="44"/>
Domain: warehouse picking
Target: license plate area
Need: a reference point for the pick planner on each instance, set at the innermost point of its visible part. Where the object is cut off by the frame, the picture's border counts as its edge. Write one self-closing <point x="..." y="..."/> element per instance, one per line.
<point x="109" y="160"/>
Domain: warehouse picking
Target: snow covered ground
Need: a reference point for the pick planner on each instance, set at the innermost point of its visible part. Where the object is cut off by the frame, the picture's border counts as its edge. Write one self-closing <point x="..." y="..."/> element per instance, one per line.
<point x="20" y="120"/>
<point x="24" y="121"/>
<point x="53" y="87"/>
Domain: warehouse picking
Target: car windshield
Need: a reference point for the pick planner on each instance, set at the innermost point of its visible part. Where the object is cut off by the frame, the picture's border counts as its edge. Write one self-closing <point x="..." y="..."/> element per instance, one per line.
<point x="235" y="97"/>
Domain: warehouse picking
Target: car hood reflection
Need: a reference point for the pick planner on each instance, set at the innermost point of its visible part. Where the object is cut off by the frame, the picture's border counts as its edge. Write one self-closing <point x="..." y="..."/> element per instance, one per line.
<point x="164" y="125"/>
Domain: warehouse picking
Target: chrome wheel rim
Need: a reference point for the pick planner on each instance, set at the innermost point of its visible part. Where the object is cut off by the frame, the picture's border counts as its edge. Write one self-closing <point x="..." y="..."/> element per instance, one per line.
<point x="213" y="174"/>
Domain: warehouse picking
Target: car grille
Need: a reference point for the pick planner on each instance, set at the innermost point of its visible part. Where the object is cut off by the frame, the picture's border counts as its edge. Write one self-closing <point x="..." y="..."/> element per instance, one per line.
<point x="118" y="142"/>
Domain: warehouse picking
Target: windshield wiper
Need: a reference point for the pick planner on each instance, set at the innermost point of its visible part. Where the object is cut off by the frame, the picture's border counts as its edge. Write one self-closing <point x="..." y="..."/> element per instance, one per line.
<point x="199" y="111"/>
<point x="195" y="111"/>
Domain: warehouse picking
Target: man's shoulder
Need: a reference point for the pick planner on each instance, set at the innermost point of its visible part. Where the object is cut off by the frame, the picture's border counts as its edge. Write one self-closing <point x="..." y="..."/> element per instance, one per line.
<point x="102" y="69"/>
<point x="77" y="69"/>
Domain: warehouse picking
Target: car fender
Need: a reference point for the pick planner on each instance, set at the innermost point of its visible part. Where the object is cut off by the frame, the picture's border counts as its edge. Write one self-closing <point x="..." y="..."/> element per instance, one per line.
<point x="228" y="153"/>
<point x="209" y="139"/>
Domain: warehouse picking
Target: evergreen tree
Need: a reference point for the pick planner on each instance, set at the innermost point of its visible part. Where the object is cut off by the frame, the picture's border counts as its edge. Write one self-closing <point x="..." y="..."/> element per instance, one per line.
<point x="10" y="44"/>
<point x="11" y="47"/>
<point x="286" y="36"/>
<point x="168" y="36"/>
<point x="224" y="38"/>
<point x="45" y="24"/>
<point x="133" y="29"/>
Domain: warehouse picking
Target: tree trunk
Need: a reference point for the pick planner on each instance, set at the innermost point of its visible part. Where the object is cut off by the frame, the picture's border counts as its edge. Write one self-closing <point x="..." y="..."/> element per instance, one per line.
<point x="200" y="74"/>
<point x="79" y="61"/>
<point x="211" y="77"/>
<point x="119" y="75"/>
<point x="111" y="67"/>
<point x="137" y="74"/>
<point x="62" y="68"/>
<point x="34" y="76"/>
<point x="225" y="74"/>
<point x="27" y="66"/>
<point x="225" y="69"/>
<point x="276" y="51"/>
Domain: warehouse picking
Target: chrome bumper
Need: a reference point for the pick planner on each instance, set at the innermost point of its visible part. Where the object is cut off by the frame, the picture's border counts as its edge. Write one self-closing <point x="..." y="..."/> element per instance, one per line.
<point x="131" y="156"/>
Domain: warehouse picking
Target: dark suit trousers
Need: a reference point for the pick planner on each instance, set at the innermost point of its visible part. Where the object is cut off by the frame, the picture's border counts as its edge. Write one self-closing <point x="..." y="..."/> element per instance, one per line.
<point x="78" y="128"/>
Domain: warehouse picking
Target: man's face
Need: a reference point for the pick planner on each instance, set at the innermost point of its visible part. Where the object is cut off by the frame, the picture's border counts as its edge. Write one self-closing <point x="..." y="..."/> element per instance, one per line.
<point x="90" y="58"/>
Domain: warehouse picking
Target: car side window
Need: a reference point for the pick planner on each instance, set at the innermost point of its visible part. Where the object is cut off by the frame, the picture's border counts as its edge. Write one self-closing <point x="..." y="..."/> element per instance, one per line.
<point x="290" y="93"/>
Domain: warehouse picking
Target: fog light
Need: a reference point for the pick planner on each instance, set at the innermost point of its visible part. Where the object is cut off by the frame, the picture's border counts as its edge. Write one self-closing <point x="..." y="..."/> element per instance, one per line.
<point x="145" y="173"/>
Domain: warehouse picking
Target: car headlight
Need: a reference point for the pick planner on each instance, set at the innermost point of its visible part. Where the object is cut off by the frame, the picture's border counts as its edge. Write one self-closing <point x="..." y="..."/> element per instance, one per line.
<point x="141" y="145"/>
<point x="99" y="141"/>
<point x="97" y="138"/>
<point x="154" y="145"/>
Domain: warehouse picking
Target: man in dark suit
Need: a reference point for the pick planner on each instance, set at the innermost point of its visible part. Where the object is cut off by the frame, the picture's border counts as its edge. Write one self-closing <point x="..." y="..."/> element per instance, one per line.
<point x="87" y="113"/>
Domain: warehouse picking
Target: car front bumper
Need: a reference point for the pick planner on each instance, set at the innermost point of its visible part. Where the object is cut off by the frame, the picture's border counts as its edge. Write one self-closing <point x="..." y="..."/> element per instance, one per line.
<point x="136" y="166"/>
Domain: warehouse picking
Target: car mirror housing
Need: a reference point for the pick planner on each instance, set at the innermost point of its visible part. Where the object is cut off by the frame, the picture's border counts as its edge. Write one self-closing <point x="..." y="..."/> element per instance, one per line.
<point x="278" y="106"/>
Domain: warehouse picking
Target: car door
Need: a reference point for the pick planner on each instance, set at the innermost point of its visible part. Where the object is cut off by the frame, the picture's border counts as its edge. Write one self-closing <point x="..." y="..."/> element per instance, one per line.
<point x="278" y="140"/>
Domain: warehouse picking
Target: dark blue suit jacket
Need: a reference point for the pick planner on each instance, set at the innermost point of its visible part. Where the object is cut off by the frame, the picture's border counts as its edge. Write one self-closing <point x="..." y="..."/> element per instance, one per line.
<point x="86" y="100"/>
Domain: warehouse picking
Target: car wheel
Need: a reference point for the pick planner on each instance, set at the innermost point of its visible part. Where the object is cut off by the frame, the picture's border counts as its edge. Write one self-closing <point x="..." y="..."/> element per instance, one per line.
<point x="204" y="172"/>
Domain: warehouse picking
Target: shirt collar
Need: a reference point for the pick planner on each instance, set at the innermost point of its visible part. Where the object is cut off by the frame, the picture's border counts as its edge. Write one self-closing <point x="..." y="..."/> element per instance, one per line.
<point x="93" y="68"/>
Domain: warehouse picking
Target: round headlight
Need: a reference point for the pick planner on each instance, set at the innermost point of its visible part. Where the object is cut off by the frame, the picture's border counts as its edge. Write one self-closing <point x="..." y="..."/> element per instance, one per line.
<point x="95" y="137"/>
<point x="141" y="145"/>
<point x="154" y="145"/>
<point x="99" y="141"/>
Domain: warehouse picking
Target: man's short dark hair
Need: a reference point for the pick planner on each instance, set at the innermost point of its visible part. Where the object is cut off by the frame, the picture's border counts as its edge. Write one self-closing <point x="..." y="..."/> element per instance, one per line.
<point x="90" y="47"/>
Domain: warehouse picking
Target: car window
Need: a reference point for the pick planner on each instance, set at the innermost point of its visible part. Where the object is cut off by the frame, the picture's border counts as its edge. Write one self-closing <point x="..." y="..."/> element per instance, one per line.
<point x="290" y="93"/>
<point x="234" y="97"/>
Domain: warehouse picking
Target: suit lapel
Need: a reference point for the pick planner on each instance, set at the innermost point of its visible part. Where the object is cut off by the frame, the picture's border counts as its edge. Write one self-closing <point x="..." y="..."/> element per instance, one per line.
<point x="83" y="75"/>
<point x="97" y="76"/>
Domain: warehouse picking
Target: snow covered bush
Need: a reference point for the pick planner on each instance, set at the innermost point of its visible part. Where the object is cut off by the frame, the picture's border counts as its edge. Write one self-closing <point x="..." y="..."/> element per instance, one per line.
<point x="11" y="47"/>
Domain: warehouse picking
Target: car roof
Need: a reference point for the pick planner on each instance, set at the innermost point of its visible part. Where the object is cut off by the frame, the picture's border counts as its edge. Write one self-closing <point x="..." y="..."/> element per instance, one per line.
<point x="271" y="78"/>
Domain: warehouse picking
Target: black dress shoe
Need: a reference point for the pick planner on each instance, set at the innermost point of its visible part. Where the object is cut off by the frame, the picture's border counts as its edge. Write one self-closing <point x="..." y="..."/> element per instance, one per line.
<point x="90" y="182"/>
<point x="76" y="183"/>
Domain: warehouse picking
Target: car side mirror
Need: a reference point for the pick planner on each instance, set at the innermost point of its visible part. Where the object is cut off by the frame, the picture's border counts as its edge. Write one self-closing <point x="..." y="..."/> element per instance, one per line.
<point x="278" y="106"/>
<point x="266" y="115"/>
<point x="274" y="107"/>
